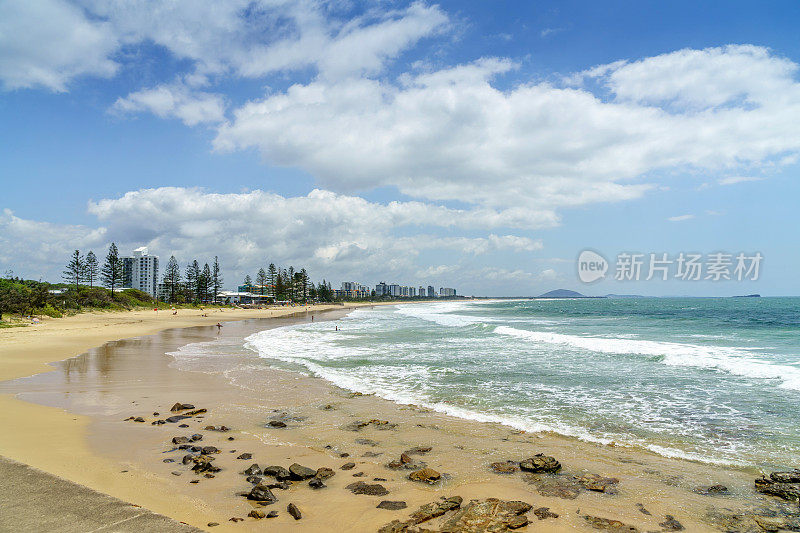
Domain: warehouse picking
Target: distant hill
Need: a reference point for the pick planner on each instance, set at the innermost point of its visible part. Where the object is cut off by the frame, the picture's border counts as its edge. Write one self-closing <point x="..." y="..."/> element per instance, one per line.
<point x="749" y="296"/>
<point x="563" y="293"/>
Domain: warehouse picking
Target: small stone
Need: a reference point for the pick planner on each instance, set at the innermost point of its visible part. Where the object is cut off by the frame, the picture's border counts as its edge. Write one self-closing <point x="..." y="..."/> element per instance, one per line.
<point x="155" y="414"/>
<point x="176" y="418"/>
<point x="283" y="485"/>
<point x="181" y="407"/>
<point x="169" y="460"/>
<point x="188" y="458"/>
<point x="183" y="426"/>
<point x="300" y="472"/>
<point x="642" y="510"/>
<point x="609" y="525"/>
<point x="540" y="463"/>
<point x="195" y="481"/>
<point x="294" y="511"/>
<point x="324" y="473"/>
<point x="253" y="470"/>
<point x="272" y="514"/>
<point x="392" y="505"/>
<point x="670" y="524"/>
<point x="369" y="489"/>
<point x="347" y="466"/>
<point x="358" y="474"/>
<point x="506" y="467"/>
<point x="366" y="442"/>
<point x="255" y="480"/>
<point x="277" y="424"/>
<point x="209" y="476"/>
<point x="235" y="519"/>
<point x="278" y="472"/>
<point x="207" y="450"/>
<point x="212" y="524"/>
<point x="138" y="419"/>
<point x="196" y="437"/>
<point x="405" y="458"/>
<point x="261" y="493"/>
<point x="245" y="456"/>
<point x="371" y="454"/>
<point x="230" y="438"/>
<point x="542" y="513"/>
<point x="316" y="483"/>
<point x="257" y="514"/>
<point x="418" y="450"/>
<point x="425" y="475"/>
<point x="176" y="473"/>
<point x="711" y="490"/>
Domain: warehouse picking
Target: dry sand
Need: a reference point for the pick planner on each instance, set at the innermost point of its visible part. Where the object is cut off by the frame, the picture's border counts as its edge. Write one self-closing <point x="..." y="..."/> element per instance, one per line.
<point x="71" y="424"/>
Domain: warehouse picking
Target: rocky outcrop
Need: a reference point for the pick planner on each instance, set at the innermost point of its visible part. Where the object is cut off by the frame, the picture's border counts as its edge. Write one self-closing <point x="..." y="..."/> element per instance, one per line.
<point x="261" y="493"/>
<point x="784" y="485"/>
<point x="425" y="475"/>
<point x="299" y="472"/>
<point x="607" y="524"/>
<point x="540" y="463"/>
<point x="278" y="472"/>
<point x="489" y="515"/>
<point x="181" y="407"/>
<point x="361" y="487"/>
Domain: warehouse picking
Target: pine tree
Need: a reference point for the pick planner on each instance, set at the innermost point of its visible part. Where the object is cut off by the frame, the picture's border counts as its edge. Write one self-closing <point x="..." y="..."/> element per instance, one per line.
<point x="111" y="273"/>
<point x="291" y="288"/>
<point x="193" y="278"/>
<point x="205" y="286"/>
<point x="304" y="284"/>
<point x="216" y="278"/>
<point x="261" y="279"/>
<point x="272" y="279"/>
<point x="172" y="278"/>
<point x="75" y="269"/>
<point x="248" y="281"/>
<point x="92" y="269"/>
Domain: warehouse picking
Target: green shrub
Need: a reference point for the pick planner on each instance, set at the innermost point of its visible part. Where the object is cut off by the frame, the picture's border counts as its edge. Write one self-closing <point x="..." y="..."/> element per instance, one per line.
<point x="49" y="310"/>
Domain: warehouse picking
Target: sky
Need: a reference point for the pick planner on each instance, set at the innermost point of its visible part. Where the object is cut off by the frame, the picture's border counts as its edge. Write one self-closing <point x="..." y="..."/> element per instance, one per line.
<point x="475" y="145"/>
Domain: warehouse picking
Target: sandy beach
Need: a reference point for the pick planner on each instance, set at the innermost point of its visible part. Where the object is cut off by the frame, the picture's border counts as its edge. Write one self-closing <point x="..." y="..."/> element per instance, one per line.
<point x="72" y="418"/>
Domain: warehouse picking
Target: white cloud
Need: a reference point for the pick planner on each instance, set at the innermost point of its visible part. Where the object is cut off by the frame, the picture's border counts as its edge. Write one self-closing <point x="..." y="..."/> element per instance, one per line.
<point x="451" y="134"/>
<point x="680" y="218"/>
<point x="738" y="179"/>
<point x="47" y="43"/>
<point x="175" y="101"/>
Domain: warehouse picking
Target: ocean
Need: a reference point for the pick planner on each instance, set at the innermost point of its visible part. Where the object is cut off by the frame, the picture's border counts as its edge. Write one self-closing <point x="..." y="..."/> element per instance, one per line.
<point x="714" y="380"/>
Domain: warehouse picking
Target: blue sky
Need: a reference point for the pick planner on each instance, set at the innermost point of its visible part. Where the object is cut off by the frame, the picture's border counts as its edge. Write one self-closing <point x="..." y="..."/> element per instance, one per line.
<point x="480" y="145"/>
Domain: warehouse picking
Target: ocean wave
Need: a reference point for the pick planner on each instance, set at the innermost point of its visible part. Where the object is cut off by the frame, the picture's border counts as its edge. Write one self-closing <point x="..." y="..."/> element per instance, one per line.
<point x="440" y="313"/>
<point x="737" y="361"/>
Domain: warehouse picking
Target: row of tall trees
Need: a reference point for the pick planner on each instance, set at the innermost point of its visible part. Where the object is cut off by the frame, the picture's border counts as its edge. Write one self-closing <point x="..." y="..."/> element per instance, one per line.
<point x="85" y="269"/>
<point x="281" y="283"/>
<point x="197" y="284"/>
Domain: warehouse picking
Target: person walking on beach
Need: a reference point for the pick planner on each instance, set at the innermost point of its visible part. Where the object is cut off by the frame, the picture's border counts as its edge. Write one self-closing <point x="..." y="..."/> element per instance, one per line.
<point x="219" y="327"/>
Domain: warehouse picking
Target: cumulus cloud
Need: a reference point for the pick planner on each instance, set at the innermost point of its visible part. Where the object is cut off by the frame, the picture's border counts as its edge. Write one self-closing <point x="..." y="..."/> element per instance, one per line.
<point x="47" y="43"/>
<point x="329" y="233"/>
<point x="175" y="101"/>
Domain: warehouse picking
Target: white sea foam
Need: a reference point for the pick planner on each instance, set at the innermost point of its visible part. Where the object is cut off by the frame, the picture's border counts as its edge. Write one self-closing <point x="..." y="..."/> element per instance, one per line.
<point x="440" y="313"/>
<point x="732" y="360"/>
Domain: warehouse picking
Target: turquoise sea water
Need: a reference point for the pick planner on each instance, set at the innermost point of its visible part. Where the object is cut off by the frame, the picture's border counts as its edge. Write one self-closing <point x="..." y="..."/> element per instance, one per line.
<point x="716" y="380"/>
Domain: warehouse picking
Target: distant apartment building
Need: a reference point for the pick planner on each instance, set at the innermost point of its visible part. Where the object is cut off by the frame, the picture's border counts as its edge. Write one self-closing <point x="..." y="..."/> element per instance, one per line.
<point x="351" y="289"/>
<point x="446" y="291"/>
<point x="431" y="292"/>
<point x="421" y="291"/>
<point x="140" y="271"/>
<point x="381" y="289"/>
<point x="412" y="292"/>
<point x="394" y="290"/>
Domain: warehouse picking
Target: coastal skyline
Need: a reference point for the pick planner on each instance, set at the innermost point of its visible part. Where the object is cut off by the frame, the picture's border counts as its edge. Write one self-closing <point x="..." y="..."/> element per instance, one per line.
<point x="456" y="144"/>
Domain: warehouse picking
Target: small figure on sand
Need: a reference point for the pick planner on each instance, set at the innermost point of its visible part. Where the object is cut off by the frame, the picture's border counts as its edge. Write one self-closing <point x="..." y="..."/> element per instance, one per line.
<point x="219" y="327"/>
<point x="312" y="318"/>
<point x="337" y="328"/>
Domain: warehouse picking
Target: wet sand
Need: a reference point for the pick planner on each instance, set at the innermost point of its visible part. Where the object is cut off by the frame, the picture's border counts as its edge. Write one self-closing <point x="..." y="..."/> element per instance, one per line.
<point x="72" y="422"/>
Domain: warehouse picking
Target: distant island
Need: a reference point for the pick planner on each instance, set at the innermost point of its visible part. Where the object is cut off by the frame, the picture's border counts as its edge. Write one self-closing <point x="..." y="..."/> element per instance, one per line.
<point x="566" y="293"/>
<point x="748" y="296"/>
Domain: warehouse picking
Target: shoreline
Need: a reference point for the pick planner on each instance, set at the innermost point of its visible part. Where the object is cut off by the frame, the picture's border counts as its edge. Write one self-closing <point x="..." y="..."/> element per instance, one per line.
<point x="92" y="442"/>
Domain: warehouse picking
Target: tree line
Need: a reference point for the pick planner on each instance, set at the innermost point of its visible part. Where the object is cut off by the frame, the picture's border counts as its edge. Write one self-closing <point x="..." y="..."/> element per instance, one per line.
<point x="195" y="285"/>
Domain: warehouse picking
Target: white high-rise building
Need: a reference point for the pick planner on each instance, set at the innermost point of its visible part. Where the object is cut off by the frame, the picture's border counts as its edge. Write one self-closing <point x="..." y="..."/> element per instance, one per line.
<point x="141" y="272"/>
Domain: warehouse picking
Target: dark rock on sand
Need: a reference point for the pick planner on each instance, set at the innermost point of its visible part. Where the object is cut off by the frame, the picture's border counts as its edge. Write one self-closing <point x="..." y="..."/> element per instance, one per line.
<point x="276" y="424"/>
<point x="245" y="456"/>
<point x="235" y="519"/>
<point x="366" y="442"/>
<point x="324" y="473"/>
<point x="435" y="509"/>
<point x="183" y="426"/>
<point x="176" y="418"/>
<point x="294" y="511"/>
<point x="252" y="470"/>
<point x="207" y="450"/>
<point x="371" y="454"/>
<point x="316" y="483"/>
<point x="272" y="514"/>
<point x="670" y="524"/>
<point x="543" y="513"/>
<point x="283" y="485"/>
<point x="642" y="510"/>
<point x="347" y="466"/>
<point x="609" y="525"/>
<point x="261" y="493"/>
<point x="257" y="514"/>
<point x="255" y="480"/>
<point x="139" y="419"/>
<point x="168" y="461"/>
<point x="358" y="425"/>
<point x="181" y="407"/>
<point x="196" y="437"/>
<point x="300" y="472"/>
<point x="540" y="463"/>
<point x="780" y="484"/>
<point x="597" y="483"/>
<point x="392" y="505"/>
<point x="359" y="474"/>
<point x="418" y="450"/>
<point x="212" y="524"/>
<point x="506" y="467"/>
<point x="425" y="475"/>
<point x="490" y="514"/>
<point x="213" y="428"/>
<point x="278" y="472"/>
<point x="711" y="490"/>
<point x="195" y="481"/>
<point x="369" y="489"/>
<point x="188" y="458"/>
<point x="558" y="487"/>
